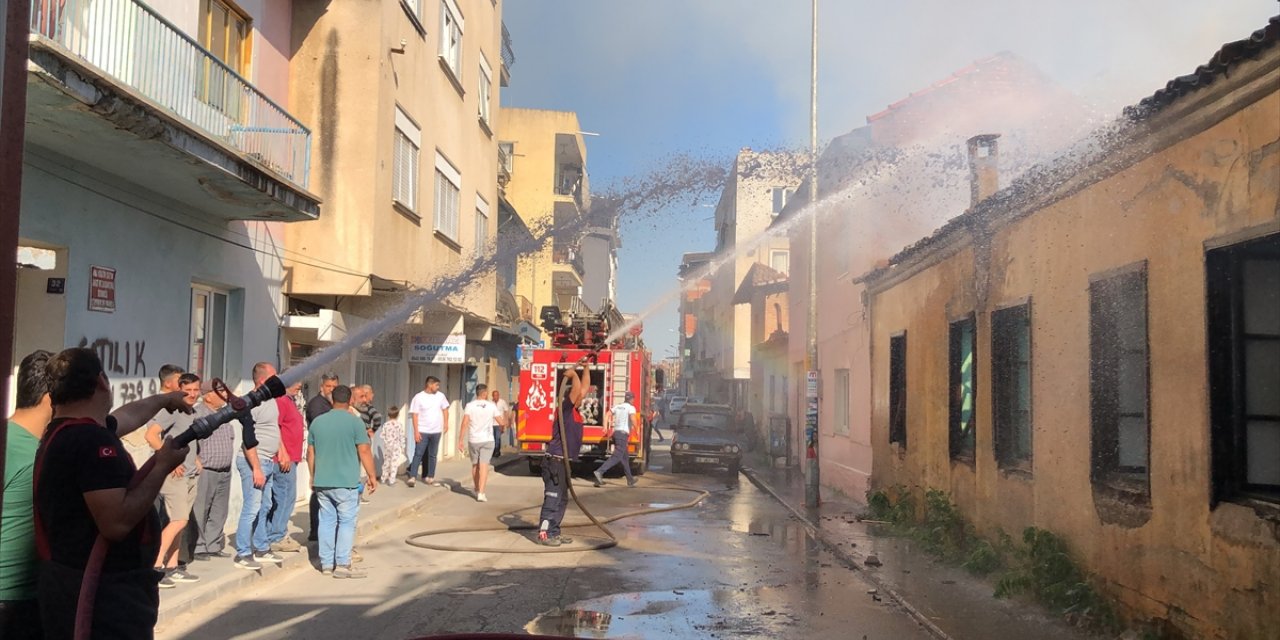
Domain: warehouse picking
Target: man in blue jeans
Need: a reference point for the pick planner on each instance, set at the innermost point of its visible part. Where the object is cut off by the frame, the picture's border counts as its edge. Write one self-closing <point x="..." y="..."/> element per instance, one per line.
<point x="257" y="469"/>
<point x="338" y="448"/>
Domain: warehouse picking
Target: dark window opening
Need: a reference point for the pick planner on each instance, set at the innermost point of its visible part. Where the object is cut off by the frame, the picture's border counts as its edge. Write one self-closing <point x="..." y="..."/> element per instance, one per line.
<point x="1011" y="384"/>
<point x="1118" y="380"/>
<point x="1243" y="305"/>
<point x="898" y="389"/>
<point x="963" y="388"/>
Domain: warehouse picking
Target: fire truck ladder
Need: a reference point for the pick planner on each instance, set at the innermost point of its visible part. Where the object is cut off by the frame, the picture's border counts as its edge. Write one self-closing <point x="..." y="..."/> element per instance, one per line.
<point x="620" y="379"/>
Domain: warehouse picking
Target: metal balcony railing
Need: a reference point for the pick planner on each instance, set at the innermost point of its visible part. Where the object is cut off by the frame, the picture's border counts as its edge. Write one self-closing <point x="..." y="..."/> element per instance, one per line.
<point x="508" y="54"/>
<point x="504" y="162"/>
<point x="567" y="256"/>
<point x="131" y="43"/>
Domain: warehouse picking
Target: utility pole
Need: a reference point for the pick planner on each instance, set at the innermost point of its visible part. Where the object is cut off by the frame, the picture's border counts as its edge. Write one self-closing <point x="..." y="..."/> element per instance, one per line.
<point x="14" y="27"/>
<point x="811" y="484"/>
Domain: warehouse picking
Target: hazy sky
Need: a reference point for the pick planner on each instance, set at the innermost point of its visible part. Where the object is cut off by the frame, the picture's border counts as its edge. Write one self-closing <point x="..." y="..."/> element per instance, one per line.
<point x="707" y="77"/>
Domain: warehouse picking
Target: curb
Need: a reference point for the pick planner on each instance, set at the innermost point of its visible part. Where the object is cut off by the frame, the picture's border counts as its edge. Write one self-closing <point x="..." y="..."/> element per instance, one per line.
<point x="234" y="582"/>
<point x="853" y="559"/>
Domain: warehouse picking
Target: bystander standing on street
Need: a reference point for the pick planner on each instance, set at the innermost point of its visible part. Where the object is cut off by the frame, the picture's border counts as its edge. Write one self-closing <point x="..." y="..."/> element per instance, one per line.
<point x="317" y="406"/>
<point x="257" y="468"/>
<point x="179" y="489"/>
<point x="479" y="422"/>
<point x="82" y="491"/>
<point x="284" y="487"/>
<point x="213" y="489"/>
<point x="338" y="451"/>
<point x="504" y="424"/>
<point x="393" y="442"/>
<point x="429" y="412"/>
<point x="19" y="612"/>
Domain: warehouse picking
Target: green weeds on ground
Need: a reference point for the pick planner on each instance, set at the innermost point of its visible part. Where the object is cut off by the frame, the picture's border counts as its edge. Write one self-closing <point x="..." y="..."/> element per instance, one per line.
<point x="1040" y="566"/>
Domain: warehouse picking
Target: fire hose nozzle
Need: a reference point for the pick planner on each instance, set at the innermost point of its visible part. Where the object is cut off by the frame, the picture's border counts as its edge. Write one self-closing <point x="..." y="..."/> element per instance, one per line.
<point x="203" y="427"/>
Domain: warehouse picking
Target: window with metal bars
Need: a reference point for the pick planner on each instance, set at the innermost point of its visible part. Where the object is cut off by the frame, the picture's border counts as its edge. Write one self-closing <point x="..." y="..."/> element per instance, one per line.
<point x="1011" y="384"/>
<point x="1119" y="388"/>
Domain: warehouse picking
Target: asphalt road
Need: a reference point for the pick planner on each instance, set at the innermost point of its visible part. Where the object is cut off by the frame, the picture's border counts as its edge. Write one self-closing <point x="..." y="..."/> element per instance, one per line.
<point x="734" y="566"/>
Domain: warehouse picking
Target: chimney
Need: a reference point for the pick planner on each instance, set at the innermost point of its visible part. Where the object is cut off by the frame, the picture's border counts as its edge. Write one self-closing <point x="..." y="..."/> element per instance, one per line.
<point x="984" y="167"/>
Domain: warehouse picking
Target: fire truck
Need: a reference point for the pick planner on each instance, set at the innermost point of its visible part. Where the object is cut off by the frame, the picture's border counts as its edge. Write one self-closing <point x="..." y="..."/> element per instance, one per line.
<point x="613" y="369"/>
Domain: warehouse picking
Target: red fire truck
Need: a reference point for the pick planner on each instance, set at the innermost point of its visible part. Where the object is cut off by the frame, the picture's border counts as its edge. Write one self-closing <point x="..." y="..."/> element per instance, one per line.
<point x="614" y="369"/>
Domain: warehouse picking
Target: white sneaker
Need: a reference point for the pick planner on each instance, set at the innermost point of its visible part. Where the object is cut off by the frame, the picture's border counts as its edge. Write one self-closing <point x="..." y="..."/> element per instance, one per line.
<point x="481" y="498"/>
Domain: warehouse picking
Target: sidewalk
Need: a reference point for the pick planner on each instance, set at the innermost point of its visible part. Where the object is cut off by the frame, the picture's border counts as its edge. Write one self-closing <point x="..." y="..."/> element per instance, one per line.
<point x="220" y="578"/>
<point x="949" y="601"/>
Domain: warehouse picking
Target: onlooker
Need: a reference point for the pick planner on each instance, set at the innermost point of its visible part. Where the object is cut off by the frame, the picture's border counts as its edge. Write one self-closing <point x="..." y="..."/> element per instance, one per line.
<point x="213" y="489"/>
<point x="135" y="443"/>
<point x="430" y="413"/>
<point x="622" y="420"/>
<point x="339" y="448"/>
<point x="19" y="612"/>
<point x="393" y="436"/>
<point x="362" y="404"/>
<point x="179" y="489"/>
<point x="284" y="486"/>
<point x="316" y="407"/>
<point x="82" y="480"/>
<point x="479" y="419"/>
<point x="257" y="469"/>
<point x="504" y="412"/>
<point x="555" y="483"/>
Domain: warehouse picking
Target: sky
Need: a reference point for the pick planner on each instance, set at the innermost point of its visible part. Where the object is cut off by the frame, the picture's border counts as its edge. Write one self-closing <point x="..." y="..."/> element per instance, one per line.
<point x="661" y="78"/>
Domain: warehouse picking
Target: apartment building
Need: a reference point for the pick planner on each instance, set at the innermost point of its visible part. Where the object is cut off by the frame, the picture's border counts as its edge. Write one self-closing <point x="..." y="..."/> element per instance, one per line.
<point x="402" y="97"/>
<point x="697" y="370"/>
<point x="1092" y="351"/>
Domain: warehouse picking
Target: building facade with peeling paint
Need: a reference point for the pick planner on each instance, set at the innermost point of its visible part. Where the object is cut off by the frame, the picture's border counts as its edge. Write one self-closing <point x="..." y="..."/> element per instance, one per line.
<point x="1115" y="318"/>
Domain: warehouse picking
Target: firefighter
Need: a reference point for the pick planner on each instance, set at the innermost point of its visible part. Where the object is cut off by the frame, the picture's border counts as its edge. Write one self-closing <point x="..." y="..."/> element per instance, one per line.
<point x="555" y="481"/>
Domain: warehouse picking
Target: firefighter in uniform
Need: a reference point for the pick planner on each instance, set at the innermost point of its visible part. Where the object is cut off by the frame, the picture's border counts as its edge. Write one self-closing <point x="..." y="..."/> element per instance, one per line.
<point x="555" y="480"/>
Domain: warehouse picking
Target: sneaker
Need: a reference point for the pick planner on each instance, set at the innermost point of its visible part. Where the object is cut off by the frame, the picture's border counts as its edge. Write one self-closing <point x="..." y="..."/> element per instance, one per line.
<point x="547" y="542"/>
<point x="480" y="498"/>
<point x="328" y="571"/>
<point x="356" y="557"/>
<point x="345" y="573"/>
<point x="287" y="545"/>
<point x="363" y="500"/>
<point x="632" y="482"/>
<point x="166" y="582"/>
<point x="565" y="539"/>
<point x="205" y="557"/>
<point x="411" y="481"/>
<point x="181" y="575"/>
<point x="247" y="562"/>
<point x="599" y="478"/>
<point x="269" y="556"/>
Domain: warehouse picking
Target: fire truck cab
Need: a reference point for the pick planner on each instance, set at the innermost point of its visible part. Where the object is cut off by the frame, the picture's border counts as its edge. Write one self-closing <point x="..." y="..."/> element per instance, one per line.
<point x="613" y="369"/>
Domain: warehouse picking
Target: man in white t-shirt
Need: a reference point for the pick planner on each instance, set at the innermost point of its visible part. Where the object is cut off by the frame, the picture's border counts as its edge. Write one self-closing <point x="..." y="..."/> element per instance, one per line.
<point x="478" y="420"/>
<point x="429" y="412"/>
<point x="621" y="420"/>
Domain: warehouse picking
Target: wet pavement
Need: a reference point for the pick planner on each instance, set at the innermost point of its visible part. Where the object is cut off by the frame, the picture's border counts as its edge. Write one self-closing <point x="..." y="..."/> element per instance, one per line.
<point x="736" y="565"/>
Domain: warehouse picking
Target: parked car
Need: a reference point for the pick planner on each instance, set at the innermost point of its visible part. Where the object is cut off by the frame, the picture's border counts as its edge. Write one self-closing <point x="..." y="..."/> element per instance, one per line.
<point x="706" y="436"/>
<point x="676" y="405"/>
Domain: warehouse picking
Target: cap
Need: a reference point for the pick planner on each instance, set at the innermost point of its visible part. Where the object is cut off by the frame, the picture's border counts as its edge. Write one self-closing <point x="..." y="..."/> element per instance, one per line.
<point x="630" y="396"/>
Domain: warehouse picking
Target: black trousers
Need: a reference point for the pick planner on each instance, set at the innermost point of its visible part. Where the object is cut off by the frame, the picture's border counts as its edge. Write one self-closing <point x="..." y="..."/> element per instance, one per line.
<point x="127" y="604"/>
<point x="555" y="496"/>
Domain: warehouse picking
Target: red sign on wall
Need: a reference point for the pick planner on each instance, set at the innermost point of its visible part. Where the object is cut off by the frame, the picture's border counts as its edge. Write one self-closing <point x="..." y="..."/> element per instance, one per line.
<point x="102" y="289"/>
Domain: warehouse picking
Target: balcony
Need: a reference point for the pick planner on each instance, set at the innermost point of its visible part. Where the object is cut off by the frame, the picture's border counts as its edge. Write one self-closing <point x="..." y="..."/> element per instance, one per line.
<point x="508" y="56"/>
<point x="113" y="79"/>
<point x="506" y="152"/>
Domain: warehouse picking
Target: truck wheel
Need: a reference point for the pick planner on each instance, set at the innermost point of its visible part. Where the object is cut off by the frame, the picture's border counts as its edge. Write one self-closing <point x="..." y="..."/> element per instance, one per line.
<point x="535" y="466"/>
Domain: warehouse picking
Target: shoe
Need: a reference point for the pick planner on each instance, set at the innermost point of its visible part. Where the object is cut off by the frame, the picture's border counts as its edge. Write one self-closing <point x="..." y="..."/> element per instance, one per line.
<point x="180" y="575"/>
<point x="599" y="478"/>
<point x="345" y="573"/>
<point x="364" y="500"/>
<point x="269" y="556"/>
<point x="410" y="482"/>
<point x="480" y="498"/>
<point x="166" y="582"/>
<point x="247" y="562"/>
<point x="205" y="557"/>
<point x="328" y="571"/>
<point x="356" y="557"/>
<point x="565" y="539"/>
<point x="547" y="542"/>
<point x="287" y="545"/>
<point x="632" y="482"/>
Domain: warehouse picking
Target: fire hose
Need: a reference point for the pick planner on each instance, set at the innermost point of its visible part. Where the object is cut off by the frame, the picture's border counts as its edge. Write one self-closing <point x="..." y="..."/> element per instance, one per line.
<point x="201" y="428"/>
<point x="416" y="539"/>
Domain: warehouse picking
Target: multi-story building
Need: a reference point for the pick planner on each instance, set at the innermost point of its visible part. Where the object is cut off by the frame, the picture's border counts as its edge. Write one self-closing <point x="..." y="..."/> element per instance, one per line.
<point x="883" y="186"/>
<point x="599" y="248"/>
<point x="1119" y="314"/>
<point x="549" y="190"/>
<point x="764" y="293"/>
<point x="757" y="190"/>
<point x="156" y="194"/>
<point x="696" y="369"/>
<point x="403" y="98"/>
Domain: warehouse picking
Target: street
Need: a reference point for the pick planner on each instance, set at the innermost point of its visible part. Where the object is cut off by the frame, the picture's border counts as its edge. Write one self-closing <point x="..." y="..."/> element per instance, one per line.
<point x="735" y="565"/>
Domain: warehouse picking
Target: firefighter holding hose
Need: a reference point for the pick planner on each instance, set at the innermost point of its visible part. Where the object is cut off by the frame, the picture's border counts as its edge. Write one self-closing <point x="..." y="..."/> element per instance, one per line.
<point x="84" y="494"/>
<point x="555" y="480"/>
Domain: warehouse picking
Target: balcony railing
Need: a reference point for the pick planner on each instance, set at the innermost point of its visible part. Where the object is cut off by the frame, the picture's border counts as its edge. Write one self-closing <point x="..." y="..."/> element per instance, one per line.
<point x="508" y="54"/>
<point x="567" y="256"/>
<point x="130" y="42"/>
<point x="504" y="163"/>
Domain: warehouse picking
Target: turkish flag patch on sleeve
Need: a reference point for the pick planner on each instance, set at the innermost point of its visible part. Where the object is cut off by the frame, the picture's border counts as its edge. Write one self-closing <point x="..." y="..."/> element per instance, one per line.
<point x="107" y="452"/>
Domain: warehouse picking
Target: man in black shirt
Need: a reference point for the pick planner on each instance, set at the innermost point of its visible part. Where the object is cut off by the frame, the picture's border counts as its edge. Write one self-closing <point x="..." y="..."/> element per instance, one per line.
<point x="82" y="491"/>
<point x="316" y="407"/>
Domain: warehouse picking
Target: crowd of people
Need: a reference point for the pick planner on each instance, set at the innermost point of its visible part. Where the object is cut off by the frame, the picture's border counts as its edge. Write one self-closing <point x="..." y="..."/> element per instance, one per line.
<point x="73" y="490"/>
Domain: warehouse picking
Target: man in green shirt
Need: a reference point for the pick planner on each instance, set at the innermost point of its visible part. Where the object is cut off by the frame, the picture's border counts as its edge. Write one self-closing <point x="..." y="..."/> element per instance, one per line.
<point x="338" y="448"/>
<point x="19" y="613"/>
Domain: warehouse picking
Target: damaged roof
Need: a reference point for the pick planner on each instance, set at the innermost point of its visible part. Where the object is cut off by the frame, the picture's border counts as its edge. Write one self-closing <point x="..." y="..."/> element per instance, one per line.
<point x="760" y="277"/>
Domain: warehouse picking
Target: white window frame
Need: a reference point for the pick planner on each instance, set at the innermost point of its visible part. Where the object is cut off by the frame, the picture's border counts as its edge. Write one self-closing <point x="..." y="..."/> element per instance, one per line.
<point x="486" y="90"/>
<point x="781" y="196"/>
<point x="448" y="203"/>
<point x="481" y="236"/>
<point x="406" y="150"/>
<point x="203" y="365"/>
<point x="451" y="30"/>
<point x="773" y="255"/>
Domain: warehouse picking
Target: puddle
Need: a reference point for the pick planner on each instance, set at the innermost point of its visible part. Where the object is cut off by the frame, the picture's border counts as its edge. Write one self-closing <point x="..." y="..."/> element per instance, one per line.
<point x="668" y="614"/>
